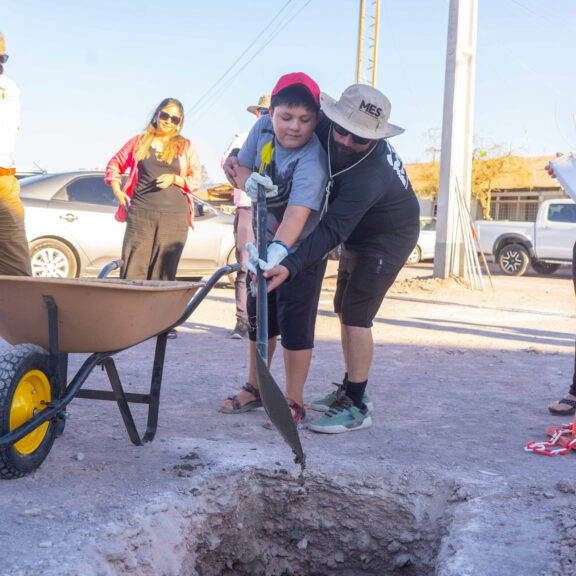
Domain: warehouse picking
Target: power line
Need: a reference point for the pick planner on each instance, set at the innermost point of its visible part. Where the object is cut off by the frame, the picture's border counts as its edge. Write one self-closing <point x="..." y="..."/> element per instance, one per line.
<point x="265" y="37"/>
<point x="206" y="94"/>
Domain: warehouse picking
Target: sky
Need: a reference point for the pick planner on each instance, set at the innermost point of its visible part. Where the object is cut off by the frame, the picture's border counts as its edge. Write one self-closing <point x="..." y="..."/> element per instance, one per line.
<point x="92" y="72"/>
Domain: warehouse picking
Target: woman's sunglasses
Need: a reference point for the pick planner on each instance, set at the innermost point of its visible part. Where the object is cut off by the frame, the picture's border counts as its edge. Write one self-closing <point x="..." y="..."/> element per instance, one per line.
<point x="344" y="132"/>
<point x="3" y="58"/>
<point x="174" y="119"/>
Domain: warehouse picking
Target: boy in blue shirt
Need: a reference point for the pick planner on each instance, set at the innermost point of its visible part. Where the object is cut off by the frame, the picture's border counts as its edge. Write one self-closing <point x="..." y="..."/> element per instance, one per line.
<point x="283" y="154"/>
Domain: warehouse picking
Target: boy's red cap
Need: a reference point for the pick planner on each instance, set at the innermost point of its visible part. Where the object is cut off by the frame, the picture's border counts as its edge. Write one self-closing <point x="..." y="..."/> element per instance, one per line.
<point x="296" y="78"/>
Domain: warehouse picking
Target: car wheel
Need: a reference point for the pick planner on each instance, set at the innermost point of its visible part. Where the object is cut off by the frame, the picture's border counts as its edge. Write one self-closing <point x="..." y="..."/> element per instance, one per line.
<point x="414" y="257"/>
<point x="513" y="260"/>
<point x="544" y="267"/>
<point x="52" y="259"/>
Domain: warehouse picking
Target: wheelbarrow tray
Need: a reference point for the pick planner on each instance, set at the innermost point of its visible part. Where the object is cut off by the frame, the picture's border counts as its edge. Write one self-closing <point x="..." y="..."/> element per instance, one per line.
<point x="94" y="315"/>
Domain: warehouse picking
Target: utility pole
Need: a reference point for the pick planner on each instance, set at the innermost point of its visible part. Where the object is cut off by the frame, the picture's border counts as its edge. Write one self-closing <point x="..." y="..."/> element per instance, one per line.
<point x="367" y="42"/>
<point x="457" y="130"/>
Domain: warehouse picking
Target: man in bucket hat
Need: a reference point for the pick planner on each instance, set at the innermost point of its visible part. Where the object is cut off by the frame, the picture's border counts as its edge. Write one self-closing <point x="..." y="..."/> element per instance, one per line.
<point x="374" y="212"/>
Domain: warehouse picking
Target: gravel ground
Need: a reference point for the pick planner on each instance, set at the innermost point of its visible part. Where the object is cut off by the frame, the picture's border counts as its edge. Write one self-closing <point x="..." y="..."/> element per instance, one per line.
<point x="440" y="484"/>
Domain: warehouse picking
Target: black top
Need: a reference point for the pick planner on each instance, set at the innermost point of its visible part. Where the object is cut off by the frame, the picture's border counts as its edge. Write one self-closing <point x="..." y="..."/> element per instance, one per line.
<point x="372" y="210"/>
<point x="147" y="194"/>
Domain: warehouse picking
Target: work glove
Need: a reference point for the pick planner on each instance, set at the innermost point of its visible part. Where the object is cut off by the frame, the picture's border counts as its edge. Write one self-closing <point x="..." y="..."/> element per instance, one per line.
<point x="276" y="252"/>
<point x="251" y="186"/>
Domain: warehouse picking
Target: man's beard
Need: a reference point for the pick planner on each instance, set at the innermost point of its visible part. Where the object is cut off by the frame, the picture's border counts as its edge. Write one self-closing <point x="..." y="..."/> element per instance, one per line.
<point x="342" y="156"/>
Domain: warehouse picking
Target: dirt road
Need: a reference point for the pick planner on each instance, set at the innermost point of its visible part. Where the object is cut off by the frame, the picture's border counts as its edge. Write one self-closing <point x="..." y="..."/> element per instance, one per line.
<point x="440" y="484"/>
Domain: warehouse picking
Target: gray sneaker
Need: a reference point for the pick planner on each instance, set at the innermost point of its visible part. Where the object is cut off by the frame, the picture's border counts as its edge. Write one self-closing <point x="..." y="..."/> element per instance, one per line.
<point x="323" y="404"/>
<point x="240" y="331"/>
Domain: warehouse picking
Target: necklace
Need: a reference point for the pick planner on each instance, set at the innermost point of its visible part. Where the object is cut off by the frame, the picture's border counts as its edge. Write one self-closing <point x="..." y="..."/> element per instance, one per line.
<point x="331" y="176"/>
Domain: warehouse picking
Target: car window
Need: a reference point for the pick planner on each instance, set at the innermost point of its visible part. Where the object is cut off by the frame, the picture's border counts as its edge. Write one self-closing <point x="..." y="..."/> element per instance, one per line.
<point x="562" y="213"/>
<point x="88" y="189"/>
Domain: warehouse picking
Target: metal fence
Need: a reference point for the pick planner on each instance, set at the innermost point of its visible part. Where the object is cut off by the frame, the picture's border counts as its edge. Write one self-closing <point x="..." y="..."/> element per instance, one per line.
<point x="517" y="210"/>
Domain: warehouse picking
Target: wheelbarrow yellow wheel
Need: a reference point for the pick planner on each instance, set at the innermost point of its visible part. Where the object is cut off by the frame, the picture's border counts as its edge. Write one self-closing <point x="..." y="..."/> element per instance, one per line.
<point x="25" y="390"/>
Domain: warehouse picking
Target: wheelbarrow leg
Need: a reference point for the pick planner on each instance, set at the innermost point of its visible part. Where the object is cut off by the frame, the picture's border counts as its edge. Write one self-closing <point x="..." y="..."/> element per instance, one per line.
<point x="120" y="398"/>
<point x="155" y="385"/>
<point x="123" y="399"/>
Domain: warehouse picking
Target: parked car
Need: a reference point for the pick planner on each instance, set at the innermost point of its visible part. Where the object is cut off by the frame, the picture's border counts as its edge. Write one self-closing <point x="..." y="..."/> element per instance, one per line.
<point x="72" y="231"/>
<point x="546" y="244"/>
<point x="424" y="249"/>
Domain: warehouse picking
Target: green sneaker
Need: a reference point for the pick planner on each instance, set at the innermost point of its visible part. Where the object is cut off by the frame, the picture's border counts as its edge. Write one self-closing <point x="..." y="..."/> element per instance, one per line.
<point x="343" y="416"/>
<point x="323" y="404"/>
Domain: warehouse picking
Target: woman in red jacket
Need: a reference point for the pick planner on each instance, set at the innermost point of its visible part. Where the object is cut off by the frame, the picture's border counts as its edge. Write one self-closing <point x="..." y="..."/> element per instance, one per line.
<point x="156" y="202"/>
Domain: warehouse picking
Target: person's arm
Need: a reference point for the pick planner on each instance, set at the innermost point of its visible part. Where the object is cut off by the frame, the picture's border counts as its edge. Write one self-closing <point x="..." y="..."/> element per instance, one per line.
<point x="355" y="197"/>
<point x="190" y="178"/>
<point x="292" y="224"/>
<point x="242" y="174"/>
<point x="118" y="166"/>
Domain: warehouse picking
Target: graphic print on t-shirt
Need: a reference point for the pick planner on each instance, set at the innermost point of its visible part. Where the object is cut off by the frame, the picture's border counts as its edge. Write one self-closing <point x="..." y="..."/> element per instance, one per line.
<point x="396" y="163"/>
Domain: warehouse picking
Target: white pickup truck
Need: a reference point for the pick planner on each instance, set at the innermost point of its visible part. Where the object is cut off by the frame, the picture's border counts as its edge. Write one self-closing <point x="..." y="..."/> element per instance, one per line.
<point x="546" y="244"/>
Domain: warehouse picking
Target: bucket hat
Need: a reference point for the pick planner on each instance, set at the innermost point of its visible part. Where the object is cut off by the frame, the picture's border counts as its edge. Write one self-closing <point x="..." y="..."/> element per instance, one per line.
<point x="264" y="102"/>
<point x="362" y="110"/>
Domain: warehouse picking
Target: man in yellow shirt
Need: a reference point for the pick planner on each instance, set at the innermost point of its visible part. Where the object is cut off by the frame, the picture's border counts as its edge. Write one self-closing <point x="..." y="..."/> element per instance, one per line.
<point x="14" y="255"/>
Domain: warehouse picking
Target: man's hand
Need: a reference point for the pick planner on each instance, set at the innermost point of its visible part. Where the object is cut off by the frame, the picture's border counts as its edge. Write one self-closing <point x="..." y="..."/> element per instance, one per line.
<point x="276" y="276"/>
<point x="255" y="179"/>
<point x="229" y="167"/>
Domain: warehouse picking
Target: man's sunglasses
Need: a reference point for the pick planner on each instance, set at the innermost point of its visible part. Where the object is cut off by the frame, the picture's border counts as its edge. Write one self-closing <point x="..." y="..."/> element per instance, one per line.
<point x="344" y="132"/>
<point x="3" y="58"/>
<point x="263" y="111"/>
<point x="174" y="119"/>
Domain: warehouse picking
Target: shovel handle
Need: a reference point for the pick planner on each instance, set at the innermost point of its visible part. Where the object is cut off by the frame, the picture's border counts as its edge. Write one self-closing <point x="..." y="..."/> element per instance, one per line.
<point x="262" y="301"/>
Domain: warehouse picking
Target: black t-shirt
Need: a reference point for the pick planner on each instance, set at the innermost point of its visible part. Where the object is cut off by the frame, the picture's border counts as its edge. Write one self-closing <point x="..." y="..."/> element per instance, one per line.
<point x="372" y="210"/>
<point x="147" y="194"/>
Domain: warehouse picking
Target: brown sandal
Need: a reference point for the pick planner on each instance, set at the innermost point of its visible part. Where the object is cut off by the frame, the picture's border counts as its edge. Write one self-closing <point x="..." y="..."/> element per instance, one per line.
<point x="241" y="408"/>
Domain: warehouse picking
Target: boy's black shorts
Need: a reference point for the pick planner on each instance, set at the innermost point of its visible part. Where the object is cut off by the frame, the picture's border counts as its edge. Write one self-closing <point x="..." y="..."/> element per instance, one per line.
<point x="292" y="309"/>
<point x="363" y="281"/>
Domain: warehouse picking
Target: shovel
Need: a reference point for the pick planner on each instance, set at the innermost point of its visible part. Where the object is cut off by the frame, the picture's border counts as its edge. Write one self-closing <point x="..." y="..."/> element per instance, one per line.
<point x="273" y="399"/>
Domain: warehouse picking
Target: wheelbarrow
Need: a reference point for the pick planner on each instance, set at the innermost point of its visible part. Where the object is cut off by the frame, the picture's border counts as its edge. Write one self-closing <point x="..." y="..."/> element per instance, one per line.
<point x="46" y="319"/>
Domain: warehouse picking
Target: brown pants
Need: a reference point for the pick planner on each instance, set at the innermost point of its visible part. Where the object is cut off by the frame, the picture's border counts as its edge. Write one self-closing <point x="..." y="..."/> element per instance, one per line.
<point x="14" y="255"/>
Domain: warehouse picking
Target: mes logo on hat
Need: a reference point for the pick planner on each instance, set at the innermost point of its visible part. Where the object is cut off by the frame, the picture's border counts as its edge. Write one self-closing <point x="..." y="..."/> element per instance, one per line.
<point x="370" y="109"/>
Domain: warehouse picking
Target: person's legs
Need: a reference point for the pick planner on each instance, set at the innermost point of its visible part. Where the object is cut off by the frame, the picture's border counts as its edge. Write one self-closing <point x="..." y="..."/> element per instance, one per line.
<point x="171" y="235"/>
<point x="137" y="244"/>
<point x="361" y="288"/>
<point x="249" y="393"/>
<point x="14" y="254"/>
<point x="566" y="406"/>
<point x="297" y="365"/>
<point x="297" y="309"/>
<point x="243" y="234"/>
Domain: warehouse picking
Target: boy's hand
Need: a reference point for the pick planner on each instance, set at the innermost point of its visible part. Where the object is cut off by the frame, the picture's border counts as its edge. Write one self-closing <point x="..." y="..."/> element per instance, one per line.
<point x="275" y="254"/>
<point x="251" y="186"/>
<point x="253" y="260"/>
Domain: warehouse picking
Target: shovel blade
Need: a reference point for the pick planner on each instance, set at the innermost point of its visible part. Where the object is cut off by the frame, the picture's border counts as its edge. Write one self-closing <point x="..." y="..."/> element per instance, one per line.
<point x="277" y="409"/>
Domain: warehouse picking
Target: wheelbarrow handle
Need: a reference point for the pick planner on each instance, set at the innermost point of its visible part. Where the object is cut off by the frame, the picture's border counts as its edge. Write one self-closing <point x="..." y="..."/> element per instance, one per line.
<point x="109" y="267"/>
<point x="201" y="294"/>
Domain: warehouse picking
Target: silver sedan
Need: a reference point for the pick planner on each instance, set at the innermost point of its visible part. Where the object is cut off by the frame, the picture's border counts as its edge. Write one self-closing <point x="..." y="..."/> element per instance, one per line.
<point x="72" y="231"/>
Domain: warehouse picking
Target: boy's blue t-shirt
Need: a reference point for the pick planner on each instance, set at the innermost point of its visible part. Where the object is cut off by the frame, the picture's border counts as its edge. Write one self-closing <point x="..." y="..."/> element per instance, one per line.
<point x="301" y="174"/>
